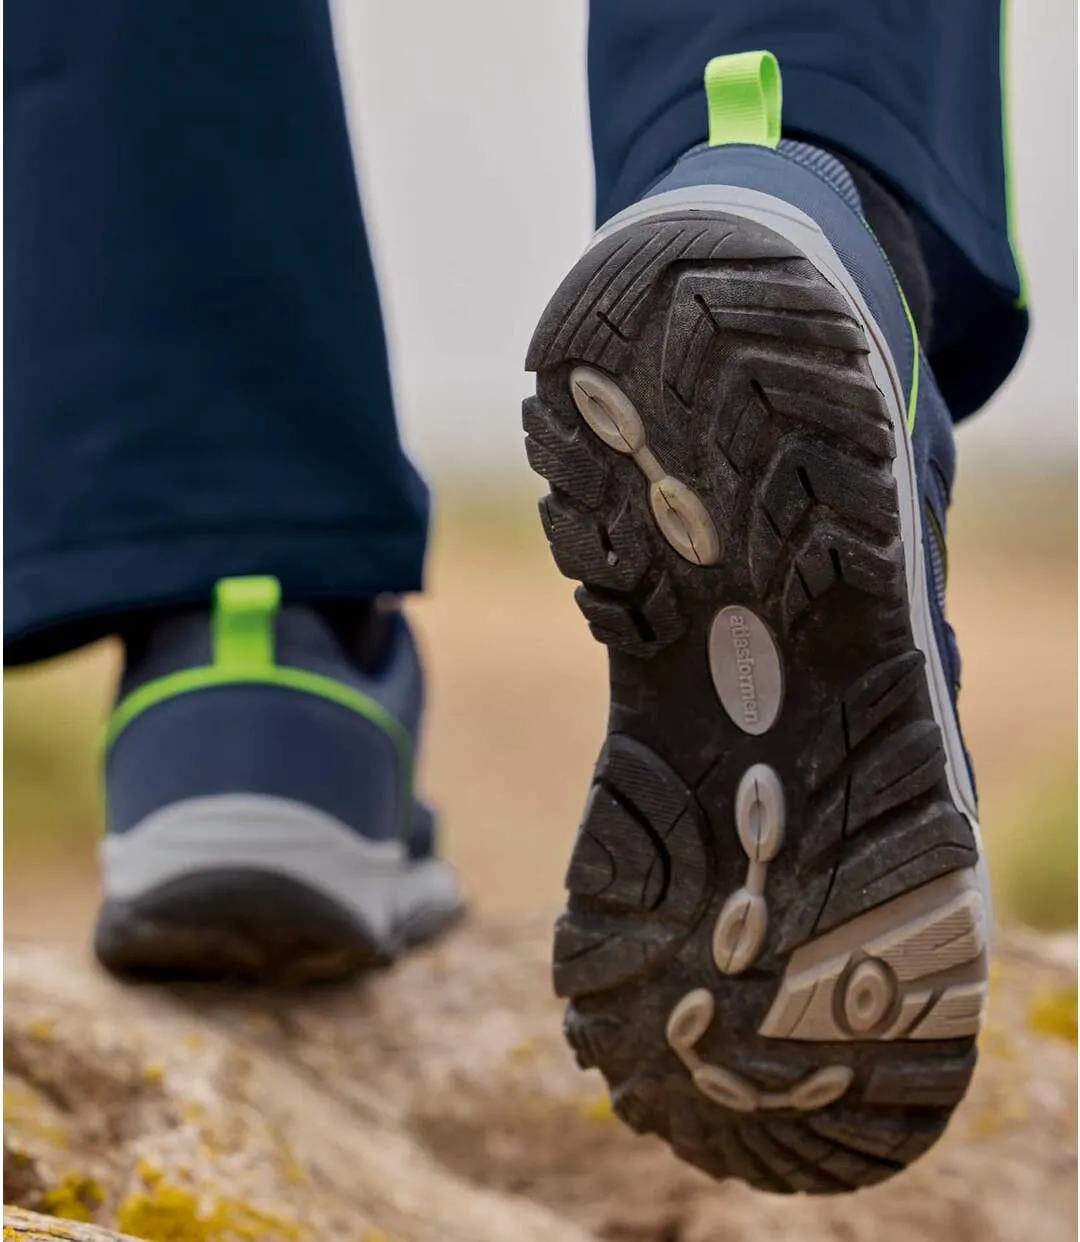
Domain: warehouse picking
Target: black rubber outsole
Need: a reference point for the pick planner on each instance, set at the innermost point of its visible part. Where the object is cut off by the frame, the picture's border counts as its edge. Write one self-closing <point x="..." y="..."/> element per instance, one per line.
<point x="243" y="926"/>
<point x="713" y="438"/>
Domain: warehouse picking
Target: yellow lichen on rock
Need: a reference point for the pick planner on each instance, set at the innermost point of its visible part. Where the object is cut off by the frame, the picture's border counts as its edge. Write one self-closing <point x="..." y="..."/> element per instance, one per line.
<point x="524" y="1053"/>
<point x="149" y="1174"/>
<point x="172" y="1214"/>
<point x="232" y="1221"/>
<point x="167" y="1214"/>
<point x="1053" y="1013"/>
<point x="597" y="1108"/>
<point x="75" y="1198"/>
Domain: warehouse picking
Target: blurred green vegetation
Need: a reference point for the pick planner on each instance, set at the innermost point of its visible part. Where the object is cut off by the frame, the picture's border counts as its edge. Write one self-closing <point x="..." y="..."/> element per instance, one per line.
<point x="53" y="725"/>
<point x="1033" y="856"/>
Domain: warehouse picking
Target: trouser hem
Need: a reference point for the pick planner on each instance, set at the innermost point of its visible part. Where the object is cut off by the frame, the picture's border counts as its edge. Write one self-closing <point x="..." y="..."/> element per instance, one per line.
<point x="57" y="601"/>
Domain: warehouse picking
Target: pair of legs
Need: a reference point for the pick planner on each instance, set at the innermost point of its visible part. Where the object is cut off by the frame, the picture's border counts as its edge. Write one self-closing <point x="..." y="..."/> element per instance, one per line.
<point x="197" y="383"/>
<point x="774" y="908"/>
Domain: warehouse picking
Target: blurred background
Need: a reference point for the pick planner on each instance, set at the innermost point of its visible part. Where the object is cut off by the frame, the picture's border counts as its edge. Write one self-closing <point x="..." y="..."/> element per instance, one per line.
<point x="488" y="113"/>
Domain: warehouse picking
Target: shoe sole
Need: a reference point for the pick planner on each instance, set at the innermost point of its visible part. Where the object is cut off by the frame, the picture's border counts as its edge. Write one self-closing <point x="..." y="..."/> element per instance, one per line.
<point x="774" y="945"/>
<point x="259" y="889"/>
<point x="246" y="926"/>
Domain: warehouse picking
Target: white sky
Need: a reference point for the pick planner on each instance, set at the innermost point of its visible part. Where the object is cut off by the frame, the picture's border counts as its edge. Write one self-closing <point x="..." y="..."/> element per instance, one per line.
<point x="470" y="129"/>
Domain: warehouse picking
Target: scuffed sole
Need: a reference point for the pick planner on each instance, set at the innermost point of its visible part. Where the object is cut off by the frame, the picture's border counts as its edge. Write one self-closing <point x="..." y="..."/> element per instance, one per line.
<point x="248" y="926"/>
<point x="775" y="945"/>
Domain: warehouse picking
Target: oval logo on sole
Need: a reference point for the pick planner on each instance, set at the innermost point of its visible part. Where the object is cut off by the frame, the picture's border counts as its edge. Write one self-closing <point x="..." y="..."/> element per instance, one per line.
<point x="746" y="669"/>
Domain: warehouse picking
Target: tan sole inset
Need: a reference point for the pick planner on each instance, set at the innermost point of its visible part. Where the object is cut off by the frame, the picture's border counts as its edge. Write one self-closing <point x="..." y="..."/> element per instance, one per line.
<point x="682" y="518"/>
<point x="690" y="1020"/>
<point x="914" y="968"/>
<point x="759" y="820"/>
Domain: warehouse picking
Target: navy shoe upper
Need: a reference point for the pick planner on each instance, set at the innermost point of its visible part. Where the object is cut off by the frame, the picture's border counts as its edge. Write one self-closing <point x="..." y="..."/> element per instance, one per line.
<point x="274" y="740"/>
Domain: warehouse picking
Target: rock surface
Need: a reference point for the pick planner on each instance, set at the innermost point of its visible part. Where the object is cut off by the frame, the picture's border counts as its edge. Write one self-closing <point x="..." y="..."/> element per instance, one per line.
<point x="437" y="1103"/>
<point x="32" y="1227"/>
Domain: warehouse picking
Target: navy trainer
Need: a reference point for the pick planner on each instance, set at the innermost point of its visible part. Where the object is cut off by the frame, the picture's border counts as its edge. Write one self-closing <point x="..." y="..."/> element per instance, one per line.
<point x="262" y="822"/>
<point x="775" y="945"/>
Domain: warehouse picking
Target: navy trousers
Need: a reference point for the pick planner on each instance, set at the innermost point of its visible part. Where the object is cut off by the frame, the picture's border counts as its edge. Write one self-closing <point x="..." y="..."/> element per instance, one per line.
<point x="196" y="381"/>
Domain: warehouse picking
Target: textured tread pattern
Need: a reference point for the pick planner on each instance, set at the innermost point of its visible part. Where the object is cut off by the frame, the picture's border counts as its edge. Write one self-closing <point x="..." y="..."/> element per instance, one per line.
<point x="627" y="603"/>
<point x="640" y="872"/>
<point x="715" y="343"/>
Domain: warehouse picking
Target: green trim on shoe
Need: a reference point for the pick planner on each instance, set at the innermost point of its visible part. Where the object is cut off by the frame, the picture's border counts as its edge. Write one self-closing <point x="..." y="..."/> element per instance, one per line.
<point x="1007" y="148"/>
<point x="913" y="396"/>
<point x="209" y="676"/>
<point x="745" y="96"/>
<point x="913" y="393"/>
<point x="242" y="624"/>
<point x="243" y="646"/>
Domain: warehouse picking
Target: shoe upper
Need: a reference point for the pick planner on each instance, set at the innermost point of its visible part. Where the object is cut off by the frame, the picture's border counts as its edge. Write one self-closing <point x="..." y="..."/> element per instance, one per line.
<point x="254" y="698"/>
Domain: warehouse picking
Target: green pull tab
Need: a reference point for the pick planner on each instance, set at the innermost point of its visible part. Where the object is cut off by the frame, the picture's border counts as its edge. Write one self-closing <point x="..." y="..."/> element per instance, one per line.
<point x="744" y="97"/>
<point x="243" y="625"/>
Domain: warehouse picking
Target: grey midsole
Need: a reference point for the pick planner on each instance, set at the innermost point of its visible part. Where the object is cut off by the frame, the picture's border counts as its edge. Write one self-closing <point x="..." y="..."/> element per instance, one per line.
<point x="803" y="231"/>
<point x="374" y="881"/>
